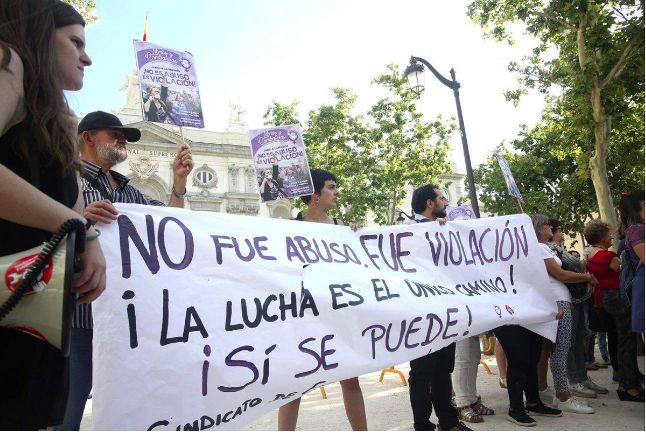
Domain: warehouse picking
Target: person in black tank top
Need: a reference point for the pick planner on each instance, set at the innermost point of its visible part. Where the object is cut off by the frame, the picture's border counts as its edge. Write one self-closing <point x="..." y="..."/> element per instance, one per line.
<point x="325" y="197"/>
<point x="42" y="53"/>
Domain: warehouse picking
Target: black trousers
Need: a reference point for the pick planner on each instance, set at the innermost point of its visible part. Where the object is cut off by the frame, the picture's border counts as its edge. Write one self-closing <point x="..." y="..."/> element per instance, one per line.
<point x="430" y="386"/>
<point x="618" y="308"/>
<point x="523" y="349"/>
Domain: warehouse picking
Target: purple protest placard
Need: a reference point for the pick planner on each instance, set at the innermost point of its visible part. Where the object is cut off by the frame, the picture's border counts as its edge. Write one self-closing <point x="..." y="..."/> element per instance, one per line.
<point x="462" y="212"/>
<point x="280" y="162"/>
<point x="168" y="85"/>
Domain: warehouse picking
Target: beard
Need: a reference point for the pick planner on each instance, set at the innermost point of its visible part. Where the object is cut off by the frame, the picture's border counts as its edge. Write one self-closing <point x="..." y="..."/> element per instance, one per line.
<point x="439" y="214"/>
<point x="112" y="154"/>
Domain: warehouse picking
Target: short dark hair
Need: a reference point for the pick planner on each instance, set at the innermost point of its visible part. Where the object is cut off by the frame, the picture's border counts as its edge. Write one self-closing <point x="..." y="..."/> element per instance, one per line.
<point x="595" y="230"/>
<point x="421" y="195"/>
<point x="556" y="224"/>
<point x="630" y="207"/>
<point x="319" y="176"/>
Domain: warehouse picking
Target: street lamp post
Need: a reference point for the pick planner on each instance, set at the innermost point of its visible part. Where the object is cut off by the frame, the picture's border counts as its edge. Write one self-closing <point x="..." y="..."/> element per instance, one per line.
<point x="415" y="74"/>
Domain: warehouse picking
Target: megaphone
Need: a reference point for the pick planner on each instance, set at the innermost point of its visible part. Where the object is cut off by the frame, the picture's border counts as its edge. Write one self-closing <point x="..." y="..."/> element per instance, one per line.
<point x="45" y="311"/>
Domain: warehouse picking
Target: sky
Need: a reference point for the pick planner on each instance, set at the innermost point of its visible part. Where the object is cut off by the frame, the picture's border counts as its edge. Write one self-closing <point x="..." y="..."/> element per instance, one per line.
<point x="257" y="51"/>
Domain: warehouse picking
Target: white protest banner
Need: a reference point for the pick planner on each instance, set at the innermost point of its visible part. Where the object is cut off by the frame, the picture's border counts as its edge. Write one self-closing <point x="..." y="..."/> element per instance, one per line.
<point x="168" y="83"/>
<point x="280" y="161"/>
<point x="211" y="320"/>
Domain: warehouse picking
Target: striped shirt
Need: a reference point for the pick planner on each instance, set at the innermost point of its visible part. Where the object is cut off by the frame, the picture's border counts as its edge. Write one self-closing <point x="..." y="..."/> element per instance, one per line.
<point x="123" y="193"/>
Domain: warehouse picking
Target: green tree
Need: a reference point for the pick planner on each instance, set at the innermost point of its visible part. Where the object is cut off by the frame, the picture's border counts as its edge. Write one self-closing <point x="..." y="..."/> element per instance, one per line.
<point x="591" y="53"/>
<point x="405" y="150"/>
<point x="87" y="9"/>
<point x="554" y="181"/>
<point x="281" y="114"/>
<point x="334" y="138"/>
<point x="374" y="156"/>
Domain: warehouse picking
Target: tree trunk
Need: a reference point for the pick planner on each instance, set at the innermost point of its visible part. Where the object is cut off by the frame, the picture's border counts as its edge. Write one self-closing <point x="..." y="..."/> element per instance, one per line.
<point x="393" y="207"/>
<point x="597" y="165"/>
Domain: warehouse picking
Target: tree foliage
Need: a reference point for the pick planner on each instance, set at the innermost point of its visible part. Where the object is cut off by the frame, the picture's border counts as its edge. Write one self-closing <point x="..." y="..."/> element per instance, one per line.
<point x="373" y="155"/>
<point x="87" y="9"/>
<point x="553" y="180"/>
<point x="590" y="53"/>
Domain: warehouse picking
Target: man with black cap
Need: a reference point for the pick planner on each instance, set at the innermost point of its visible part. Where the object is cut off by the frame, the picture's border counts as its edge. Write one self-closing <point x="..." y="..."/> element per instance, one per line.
<point x="103" y="140"/>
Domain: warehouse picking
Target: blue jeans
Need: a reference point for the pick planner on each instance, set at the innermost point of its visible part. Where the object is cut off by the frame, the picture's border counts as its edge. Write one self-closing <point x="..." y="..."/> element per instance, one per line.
<point x="80" y="383"/>
<point x="576" y="371"/>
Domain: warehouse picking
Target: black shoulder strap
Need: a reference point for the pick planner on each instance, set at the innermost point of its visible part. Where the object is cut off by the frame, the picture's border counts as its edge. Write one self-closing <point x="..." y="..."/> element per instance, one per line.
<point x="97" y="185"/>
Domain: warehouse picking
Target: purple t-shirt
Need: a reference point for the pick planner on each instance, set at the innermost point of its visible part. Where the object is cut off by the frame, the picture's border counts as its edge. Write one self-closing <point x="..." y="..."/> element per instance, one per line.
<point x="634" y="235"/>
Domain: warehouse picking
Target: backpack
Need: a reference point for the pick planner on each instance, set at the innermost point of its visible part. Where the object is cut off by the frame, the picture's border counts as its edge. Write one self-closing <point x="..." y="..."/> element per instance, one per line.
<point x="626" y="275"/>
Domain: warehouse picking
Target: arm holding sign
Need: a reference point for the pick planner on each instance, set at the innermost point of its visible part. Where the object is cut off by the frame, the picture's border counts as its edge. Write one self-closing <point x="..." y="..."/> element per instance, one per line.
<point x="182" y="166"/>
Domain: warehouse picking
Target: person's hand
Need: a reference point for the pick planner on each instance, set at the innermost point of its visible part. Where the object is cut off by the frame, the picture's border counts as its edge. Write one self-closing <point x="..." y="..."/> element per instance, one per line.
<point x="356" y="226"/>
<point x="183" y="162"/>
<point x="91" y="283"/>
<point x="559" y="314"/>
<point x="591" y="279"/>
<point x="101" y="211"/>
<point x="442" y="221"/>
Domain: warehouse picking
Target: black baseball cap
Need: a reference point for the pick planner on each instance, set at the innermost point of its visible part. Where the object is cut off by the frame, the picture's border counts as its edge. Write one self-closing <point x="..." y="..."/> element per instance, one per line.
<point x="100" y="120"/>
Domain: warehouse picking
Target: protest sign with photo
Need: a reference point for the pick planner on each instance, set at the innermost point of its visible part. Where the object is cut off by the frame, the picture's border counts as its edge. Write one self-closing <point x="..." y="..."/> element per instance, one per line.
<point x="211" y="320"/>
<point x="280" y="162"/>
<point x="168" y="84"/>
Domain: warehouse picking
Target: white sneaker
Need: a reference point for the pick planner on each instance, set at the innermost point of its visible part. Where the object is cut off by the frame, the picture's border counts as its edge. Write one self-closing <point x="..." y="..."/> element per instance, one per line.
<point x="555" y="402"/>
<point x="589" y="384"/>
<point x="547" y="395"/>
<point x="573" y="405"/>
<point x="579" y="389"/>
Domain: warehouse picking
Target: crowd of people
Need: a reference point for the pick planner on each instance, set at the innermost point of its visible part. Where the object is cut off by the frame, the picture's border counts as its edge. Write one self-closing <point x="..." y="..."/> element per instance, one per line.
<point x="53" y="171"/>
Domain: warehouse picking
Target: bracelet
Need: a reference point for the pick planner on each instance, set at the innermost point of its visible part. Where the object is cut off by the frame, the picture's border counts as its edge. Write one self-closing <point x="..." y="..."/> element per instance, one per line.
<point x="177" y="195"/>
<point x="96" y="235"/>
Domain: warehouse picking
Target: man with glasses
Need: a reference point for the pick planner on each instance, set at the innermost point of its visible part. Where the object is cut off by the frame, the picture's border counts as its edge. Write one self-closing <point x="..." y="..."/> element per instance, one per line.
<point x="430" y="375"/>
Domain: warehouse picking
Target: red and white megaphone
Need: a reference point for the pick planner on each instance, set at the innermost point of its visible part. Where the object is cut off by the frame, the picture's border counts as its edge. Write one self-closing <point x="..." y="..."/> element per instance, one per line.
<point x="45" y="311"/>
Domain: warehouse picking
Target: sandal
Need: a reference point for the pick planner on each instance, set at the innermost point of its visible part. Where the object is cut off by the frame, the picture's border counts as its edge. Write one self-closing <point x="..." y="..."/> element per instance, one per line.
<point x="468" y="414"/>
<point x="482" y="409"/>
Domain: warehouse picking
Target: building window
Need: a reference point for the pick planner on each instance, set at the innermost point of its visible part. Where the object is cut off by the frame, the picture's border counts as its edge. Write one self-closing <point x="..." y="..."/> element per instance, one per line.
<point x="205" y="177"/>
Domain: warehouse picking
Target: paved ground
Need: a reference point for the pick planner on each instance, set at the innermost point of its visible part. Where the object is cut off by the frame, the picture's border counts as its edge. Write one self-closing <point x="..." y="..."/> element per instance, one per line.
<point x="388" y="408"/>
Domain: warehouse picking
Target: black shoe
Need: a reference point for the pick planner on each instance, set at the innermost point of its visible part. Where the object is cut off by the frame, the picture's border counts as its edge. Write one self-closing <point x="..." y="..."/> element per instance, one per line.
<point x="460" y="427"/>
<point x="457" y="427"/>
<point x="543" y="410"/>
<point x="519" y="417"/>
<point x="430" y="426"/>
<point x="625" y="396"/>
